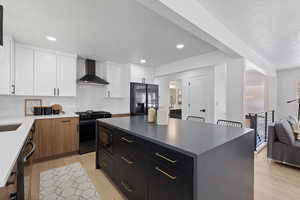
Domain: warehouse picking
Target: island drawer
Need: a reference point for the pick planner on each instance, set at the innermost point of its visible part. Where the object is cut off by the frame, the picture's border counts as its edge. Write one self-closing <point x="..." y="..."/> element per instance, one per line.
<point x="132" y="177"/>
<point x="107" y="164"/>
<point x="171" y="158"/>
<point x="166" y="183"/>
<point x="130" y="144"/>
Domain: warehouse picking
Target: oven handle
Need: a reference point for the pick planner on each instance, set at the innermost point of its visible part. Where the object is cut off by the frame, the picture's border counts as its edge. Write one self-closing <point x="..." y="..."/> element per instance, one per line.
<point x="87" y="122"/>
<point x="28" y="156"/>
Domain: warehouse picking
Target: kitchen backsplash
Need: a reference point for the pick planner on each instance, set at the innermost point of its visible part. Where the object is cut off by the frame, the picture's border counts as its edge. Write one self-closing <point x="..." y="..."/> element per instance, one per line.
<point x="89" y="97"/>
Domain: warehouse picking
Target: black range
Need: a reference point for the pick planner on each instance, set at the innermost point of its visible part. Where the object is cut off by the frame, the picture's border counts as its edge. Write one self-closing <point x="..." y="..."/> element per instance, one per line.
<point x="87" y="135"/>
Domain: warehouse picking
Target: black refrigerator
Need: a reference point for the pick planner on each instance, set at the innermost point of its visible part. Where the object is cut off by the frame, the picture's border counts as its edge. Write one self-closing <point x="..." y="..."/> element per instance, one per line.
<point x="142" y="97"/>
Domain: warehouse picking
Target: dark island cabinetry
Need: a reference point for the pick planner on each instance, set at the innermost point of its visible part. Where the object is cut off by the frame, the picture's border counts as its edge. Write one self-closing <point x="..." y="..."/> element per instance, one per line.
<point x="143" y="170"/>
<point x="183" y="160"/>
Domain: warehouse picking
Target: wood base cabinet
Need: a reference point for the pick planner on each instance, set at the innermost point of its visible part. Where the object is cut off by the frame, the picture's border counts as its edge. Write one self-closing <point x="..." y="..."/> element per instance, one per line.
<point x="143" y="170"/>
<point x="56" y="137"/>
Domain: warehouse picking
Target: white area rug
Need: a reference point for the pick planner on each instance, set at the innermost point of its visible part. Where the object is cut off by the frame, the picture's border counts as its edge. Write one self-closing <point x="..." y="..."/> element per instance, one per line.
<point x="67" y="183"/>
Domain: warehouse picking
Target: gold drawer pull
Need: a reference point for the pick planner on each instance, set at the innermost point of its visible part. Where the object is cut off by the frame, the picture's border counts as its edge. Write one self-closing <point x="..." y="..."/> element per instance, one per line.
<point x="66" y="121"/>
<point x="165" y="173"/>
<point x="126" y="187"/>
<point x="126" y="160"/>
<point x="165" y="158"/>
<point x="127" y="140"/>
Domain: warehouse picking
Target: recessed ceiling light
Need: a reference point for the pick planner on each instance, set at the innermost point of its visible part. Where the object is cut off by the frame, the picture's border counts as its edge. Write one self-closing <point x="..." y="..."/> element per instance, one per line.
<point x="50" y="38"/>
<point x="143" y="61"/>
<point x="180" y="46"/>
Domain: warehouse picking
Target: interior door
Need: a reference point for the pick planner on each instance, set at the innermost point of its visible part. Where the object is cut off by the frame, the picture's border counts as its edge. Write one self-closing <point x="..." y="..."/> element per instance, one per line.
<point x="198" y="91"/>
<point x="45" y="73"/>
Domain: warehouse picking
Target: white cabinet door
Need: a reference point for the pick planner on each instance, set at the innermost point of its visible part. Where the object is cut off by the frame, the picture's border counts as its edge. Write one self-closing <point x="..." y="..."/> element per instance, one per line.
<point x="66" y="75"/>
<point x="113" y="76"/>
<point x="5" y="66"/>
<point x="24" y="70"/>
<point x="45" y="73"/>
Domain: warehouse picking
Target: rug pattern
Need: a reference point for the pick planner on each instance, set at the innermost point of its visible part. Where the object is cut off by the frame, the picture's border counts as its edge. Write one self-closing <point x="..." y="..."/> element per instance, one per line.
<point x="67" y="183"/>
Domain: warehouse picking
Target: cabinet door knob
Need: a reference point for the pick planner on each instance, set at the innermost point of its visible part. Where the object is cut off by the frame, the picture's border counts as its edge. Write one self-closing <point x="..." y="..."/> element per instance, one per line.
<point x="166" y="158"/>
<point x="165" y="173"/>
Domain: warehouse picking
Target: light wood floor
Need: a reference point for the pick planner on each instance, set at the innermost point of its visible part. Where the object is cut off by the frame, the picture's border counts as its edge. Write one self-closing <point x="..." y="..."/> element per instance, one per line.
<point x="272" y="181"/>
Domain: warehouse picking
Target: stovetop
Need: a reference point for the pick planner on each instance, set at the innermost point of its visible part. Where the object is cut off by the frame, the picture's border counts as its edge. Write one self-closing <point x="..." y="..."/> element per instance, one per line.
<point x="90" y="114"/>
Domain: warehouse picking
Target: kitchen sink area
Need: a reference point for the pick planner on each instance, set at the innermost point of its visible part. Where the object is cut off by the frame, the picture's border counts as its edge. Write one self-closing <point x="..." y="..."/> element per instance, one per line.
<point x="11" y="127"/>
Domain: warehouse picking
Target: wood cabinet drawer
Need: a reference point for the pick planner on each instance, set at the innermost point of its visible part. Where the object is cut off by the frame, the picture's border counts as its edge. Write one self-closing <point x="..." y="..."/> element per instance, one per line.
<point x="166" y="183"/>
<point x="172" y="159"/>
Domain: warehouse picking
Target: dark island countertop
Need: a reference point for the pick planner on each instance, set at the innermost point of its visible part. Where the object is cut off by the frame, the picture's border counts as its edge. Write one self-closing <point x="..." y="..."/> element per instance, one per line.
<point x="189" y="137"/>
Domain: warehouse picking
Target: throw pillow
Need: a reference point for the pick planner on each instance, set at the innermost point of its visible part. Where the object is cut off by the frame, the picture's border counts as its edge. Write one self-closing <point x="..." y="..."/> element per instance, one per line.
<point x="285" y="132"/>
<point x="295" y="126"/>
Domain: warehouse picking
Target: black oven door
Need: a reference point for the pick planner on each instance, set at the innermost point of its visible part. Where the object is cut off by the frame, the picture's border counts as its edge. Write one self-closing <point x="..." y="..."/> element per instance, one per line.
<point x="87" y="136"/>
<point x="106" y="140"/>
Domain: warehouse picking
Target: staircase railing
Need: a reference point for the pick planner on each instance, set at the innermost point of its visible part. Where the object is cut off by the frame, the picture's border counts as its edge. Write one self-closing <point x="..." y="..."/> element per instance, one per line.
<point x="260" y="122"/>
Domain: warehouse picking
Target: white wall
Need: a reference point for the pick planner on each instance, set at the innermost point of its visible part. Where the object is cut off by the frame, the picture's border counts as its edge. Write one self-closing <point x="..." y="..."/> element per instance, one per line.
<point x="138" y="72"/>
<point x="235" y="89"/>
<point x="271" y="91"/>
<point x="256" y="95"/>
<point x="227" y="78"/>
<point x="287" y="90"/>
<point x="184" y="77"/>
<point x="220" y="92"/>
<point x="193" y="63"/>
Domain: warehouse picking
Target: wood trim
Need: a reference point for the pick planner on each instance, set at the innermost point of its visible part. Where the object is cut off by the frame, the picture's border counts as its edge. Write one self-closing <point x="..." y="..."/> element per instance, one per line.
<point x="121" y="115"/>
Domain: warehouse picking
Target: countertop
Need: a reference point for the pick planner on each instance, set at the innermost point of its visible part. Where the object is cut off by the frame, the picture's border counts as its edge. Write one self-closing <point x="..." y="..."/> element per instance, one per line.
<point x="189" y="137"/>
<point x="12" y="142"/>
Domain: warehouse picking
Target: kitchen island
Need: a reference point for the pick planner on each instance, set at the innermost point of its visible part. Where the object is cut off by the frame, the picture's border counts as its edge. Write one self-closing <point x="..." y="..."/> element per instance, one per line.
<point x="184" y="160"/>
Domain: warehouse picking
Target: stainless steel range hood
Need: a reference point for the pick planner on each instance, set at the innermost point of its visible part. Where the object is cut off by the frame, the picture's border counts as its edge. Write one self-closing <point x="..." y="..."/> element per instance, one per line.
<point x="91" y="77"/>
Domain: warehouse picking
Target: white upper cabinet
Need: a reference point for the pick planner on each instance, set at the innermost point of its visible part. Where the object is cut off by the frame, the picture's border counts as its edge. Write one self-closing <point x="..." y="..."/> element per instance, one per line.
<point x="113" y="76"/>
<point x="24" y="70"/>
<point x="45" y="74"/>
<point x="66" y="75"/>
<point x="6" y="58"/>
<point x="30" y="71"/>
<point x="40" y="72"/>
<point x="118" y="76"/>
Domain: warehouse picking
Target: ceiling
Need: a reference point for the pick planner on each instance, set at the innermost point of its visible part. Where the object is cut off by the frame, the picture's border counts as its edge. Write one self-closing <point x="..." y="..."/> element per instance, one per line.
<point x="270" y="27"/>
<point x="115" y="30"/>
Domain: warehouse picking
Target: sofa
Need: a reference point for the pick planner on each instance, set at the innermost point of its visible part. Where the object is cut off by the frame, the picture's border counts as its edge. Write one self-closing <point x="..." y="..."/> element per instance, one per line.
<point x="282" y="145"/>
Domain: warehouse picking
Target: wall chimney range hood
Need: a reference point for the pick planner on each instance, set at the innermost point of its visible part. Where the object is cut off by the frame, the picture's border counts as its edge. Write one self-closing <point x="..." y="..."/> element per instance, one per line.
<point x="91" y="77"/>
